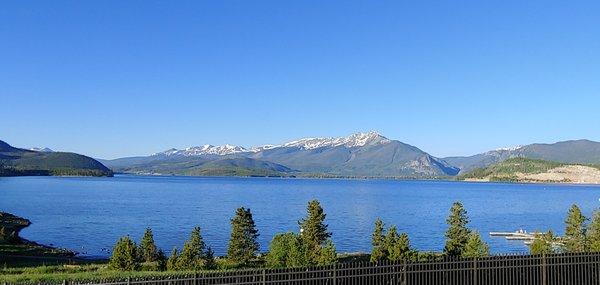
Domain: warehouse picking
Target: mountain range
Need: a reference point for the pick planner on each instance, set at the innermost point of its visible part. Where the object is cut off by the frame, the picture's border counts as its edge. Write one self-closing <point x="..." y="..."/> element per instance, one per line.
<point x="358" y="155"/>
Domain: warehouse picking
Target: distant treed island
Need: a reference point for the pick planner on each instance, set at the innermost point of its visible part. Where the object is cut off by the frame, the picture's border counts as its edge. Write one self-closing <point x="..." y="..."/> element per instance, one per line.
<point x="311" y="246"/>
<point x="361" y="155"/>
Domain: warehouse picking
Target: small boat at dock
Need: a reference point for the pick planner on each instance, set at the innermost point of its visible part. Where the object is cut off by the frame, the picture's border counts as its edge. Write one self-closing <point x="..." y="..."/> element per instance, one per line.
<point x="520" y="234"/>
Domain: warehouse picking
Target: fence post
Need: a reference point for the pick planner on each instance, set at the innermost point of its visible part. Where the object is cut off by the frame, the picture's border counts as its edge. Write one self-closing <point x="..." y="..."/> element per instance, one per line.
<point x="544" y="281"/>
<point x="334" y="273"/>
<point x="404" y="281"/>
<point x="264" y="276"/>
<point x="196" y="277"/>
<point x="475" y="276"/>
<point x="65" y="282"/>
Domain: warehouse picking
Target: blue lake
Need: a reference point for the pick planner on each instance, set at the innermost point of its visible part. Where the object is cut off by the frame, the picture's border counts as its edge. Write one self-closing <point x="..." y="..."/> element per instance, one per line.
<point x="89" y="214"/>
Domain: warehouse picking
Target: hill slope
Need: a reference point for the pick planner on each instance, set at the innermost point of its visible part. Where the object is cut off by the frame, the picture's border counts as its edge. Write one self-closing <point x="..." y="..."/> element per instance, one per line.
<point x="240" y="167"/>
<point x="573" y="151"/>
<point x="15" y="162"/>
<point x="534" y="170"/>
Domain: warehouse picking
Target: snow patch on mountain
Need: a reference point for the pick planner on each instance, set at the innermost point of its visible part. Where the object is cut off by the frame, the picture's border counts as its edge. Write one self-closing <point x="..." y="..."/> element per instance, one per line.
<point x="263" y="147"/>
<point x="206" y="149"/>
<point x="355" y="140"/>
<point x="513" y="148"/>
<point x="41" y="149"/>
<point x="502" y="151"/>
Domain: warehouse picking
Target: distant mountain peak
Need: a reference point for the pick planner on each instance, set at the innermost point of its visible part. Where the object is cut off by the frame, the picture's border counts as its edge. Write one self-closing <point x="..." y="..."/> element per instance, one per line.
<point x="354" y="140"/>
<point x="41" y="149"/>
<point x="263" y="147"/>
<point x="512" y="148"/>
<point x="206" y="149"/>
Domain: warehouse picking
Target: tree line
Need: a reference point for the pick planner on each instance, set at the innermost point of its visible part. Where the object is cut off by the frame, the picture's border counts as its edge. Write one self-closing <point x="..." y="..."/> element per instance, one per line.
<point x="313" y="244"/>
<point x="461" y="241"/>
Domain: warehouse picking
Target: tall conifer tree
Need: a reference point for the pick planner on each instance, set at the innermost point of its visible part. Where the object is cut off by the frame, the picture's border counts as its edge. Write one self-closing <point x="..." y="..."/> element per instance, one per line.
<point x="457" y="234"/>
<point x="243" y="244"/>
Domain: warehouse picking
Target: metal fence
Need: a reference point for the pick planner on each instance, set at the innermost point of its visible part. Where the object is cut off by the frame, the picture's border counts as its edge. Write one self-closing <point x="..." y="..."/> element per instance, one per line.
<point x="554" y="269"/>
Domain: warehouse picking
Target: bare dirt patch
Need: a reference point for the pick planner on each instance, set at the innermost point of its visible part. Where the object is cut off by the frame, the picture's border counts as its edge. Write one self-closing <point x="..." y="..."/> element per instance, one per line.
<point x="569" y="174"/>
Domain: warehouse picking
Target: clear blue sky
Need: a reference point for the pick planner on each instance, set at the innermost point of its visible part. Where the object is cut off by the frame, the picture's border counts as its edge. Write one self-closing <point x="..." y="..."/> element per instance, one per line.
<point x="120" y="78"/>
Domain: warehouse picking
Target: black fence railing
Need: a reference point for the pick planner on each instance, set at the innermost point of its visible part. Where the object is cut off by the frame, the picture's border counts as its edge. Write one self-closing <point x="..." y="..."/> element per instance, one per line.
<point x="554" y="269"/>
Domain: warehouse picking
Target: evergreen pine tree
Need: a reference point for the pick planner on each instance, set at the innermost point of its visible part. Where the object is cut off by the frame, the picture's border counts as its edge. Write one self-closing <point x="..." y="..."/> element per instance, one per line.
<point x="210" y="259"/>
<point x="404" y="249"/>
<point x="328" y="254"/>
<point x="314" y="231"/>
<point x="475" y="246"/>
<point x="243" y="244"/>
<point x="542" y="243"/>
<point x="161" y="260"/>
<point x="575" y="237"/>
<point x="397" y="245"/>
<point x="457" y="234"/>
<point x="192" y="255"/>
<point x="124" y="255"/>
<point x="173" y="262"/>
<point x="148" y="249"/>
<point x="286" y="250"/>
<point x="379" y="251"/>
<point x="593" y="233"/>
<point x="391" y="238"/>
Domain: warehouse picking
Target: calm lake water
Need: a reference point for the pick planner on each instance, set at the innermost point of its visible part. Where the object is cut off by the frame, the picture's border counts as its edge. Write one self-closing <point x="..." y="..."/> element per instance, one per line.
<point x="89" y="214"/>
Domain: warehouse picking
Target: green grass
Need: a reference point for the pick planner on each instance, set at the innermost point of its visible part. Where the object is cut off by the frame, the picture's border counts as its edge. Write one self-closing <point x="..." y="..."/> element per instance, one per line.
<point x="84" y="272"/>
<point x="90" y="271"/>
<point x="99" y="271"/>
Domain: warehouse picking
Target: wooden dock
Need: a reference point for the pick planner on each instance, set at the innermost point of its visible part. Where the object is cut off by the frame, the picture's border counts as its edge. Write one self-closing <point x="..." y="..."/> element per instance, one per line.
<point x="520" y="235"/>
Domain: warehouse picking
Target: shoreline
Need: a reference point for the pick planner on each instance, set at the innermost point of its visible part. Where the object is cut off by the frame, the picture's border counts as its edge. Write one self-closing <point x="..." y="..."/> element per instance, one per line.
<point x="468" y="180"/>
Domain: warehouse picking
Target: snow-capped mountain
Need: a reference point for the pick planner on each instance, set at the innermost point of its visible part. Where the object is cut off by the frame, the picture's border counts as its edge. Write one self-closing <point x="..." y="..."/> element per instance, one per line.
<point x="203" y="150"/>
<point x="362" y="154"/>
<point x="263" y="147"/>
<point x="358" y="155"/>
<point x="355" y="140"/>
